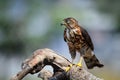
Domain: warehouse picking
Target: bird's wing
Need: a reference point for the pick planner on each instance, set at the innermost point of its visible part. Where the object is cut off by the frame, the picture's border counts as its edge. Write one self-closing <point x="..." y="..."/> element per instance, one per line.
<point x="87" y="38"/>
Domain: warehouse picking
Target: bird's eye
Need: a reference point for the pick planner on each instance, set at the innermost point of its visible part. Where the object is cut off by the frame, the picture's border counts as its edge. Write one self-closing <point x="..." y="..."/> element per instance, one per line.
<point x="68" y="21"/>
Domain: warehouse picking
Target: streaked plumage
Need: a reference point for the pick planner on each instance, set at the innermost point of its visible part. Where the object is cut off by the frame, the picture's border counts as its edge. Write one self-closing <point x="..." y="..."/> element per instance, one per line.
<point x="79" y="40"/>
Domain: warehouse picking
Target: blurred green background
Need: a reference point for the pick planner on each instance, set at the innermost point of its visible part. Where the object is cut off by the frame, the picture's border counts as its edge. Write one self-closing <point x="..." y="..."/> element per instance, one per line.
<point x="27" y="25"/>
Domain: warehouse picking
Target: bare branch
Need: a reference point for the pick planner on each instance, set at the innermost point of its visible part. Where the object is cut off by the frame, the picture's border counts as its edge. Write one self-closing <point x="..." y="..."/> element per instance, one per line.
<point x="77" y="73"/>
<point x="43" y="57"/>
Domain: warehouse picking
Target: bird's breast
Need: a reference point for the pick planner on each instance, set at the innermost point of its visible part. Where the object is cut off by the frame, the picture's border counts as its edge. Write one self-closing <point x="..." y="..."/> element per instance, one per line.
<point x="70" y="35"/>
<point x="67" y="33"/>
<point x="73" y="35"/>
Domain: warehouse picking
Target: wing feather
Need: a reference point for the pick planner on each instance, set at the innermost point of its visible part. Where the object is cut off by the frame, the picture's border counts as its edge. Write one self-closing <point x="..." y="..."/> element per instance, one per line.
<point x="87" y="38"/>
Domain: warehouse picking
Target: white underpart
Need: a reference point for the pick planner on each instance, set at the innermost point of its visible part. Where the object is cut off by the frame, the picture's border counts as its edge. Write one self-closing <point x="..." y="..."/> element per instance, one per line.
<point x="92" y="53"/>
<point x="71" y="32"/>
<point x="68" y="35"/>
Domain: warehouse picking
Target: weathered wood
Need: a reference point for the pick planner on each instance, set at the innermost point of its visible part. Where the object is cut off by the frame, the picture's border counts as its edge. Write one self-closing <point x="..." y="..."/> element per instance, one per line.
<point x="77" y="73"/>
<point x="43" y="57"/>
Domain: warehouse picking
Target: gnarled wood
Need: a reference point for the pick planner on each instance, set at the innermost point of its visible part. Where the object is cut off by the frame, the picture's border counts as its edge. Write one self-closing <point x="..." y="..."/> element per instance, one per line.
<point x="43" y="57"/>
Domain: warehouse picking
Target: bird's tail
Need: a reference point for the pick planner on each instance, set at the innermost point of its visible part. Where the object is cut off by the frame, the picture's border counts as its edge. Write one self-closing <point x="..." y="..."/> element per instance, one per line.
<point x="92" y="61"/>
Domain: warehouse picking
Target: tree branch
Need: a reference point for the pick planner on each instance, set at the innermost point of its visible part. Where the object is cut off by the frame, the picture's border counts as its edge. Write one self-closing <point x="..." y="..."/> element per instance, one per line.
<point x="43" y="57"/>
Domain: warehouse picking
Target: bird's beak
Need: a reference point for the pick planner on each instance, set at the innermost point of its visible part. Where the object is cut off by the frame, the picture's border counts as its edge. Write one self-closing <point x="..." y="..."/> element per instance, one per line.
<point x="63" y="23"/>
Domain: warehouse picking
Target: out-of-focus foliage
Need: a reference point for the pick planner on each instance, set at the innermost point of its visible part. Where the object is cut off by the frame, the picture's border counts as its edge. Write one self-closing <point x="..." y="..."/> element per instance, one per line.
<point x="111" y="7"/>
<point x="14" y="16"/>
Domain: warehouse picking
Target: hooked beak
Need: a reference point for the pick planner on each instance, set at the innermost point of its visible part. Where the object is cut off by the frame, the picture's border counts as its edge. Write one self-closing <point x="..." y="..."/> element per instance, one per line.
<point x="63" y="23"/>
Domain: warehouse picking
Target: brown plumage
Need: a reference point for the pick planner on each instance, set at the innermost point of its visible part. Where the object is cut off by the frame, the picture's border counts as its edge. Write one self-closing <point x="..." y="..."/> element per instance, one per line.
<point x="78" y="40"/>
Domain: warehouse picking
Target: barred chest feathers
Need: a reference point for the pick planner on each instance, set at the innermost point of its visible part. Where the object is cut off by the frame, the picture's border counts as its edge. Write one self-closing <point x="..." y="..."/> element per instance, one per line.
<point x="71" y="34"/>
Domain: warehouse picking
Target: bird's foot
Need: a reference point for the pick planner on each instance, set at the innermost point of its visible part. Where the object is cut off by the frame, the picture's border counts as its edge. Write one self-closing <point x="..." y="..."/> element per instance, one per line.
<point x="68" y="68"/>
<point x="79" y="64"/>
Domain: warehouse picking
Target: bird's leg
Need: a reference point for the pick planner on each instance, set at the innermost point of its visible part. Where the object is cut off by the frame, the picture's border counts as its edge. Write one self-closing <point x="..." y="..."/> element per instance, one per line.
<point x="80" y="62"/>
<point x="68" y="68"/>
<point x="72" y="61"/>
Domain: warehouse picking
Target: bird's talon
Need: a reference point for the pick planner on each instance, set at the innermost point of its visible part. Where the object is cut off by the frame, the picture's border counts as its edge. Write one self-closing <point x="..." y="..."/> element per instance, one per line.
<point x="80" y="65"/>
<point x="68" y="68"/>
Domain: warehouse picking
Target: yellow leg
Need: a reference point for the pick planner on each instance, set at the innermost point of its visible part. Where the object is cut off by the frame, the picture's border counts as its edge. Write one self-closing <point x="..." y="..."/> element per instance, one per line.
<point x="80" y="62"/>
<point x="68" y="68"/>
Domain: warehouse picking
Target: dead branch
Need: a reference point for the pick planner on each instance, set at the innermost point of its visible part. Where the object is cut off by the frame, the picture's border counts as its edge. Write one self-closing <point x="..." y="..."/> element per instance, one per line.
<point x="43" y="57"/>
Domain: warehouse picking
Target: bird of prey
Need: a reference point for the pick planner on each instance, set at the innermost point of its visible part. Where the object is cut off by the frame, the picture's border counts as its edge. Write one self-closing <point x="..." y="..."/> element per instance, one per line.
<point x="78" y="40"/>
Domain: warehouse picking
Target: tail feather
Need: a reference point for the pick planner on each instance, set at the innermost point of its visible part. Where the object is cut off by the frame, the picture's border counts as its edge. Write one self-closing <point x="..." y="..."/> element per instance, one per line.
<point x="92" y="62"/>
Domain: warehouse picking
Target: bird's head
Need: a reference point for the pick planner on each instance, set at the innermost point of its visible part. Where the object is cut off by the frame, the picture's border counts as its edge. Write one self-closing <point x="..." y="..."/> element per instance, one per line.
<point x="70" y="22"/>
